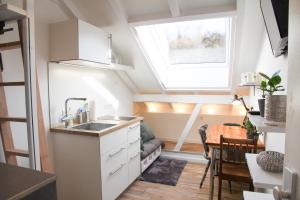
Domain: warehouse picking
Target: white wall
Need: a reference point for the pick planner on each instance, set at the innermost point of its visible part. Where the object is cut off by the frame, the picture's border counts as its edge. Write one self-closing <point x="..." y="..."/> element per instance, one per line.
<point x="110" y="94"/>
<point x="66" y="81"/>
<point x="269" y="64"/>
<point x="169" y="126"/>
<point x="41" y="56"/>
<point x="292" y="158"/>
<point x="249" y="31"/>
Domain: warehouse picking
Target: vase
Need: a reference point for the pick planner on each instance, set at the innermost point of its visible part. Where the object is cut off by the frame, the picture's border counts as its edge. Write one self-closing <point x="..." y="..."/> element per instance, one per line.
<point x="261" y="106"/>
<point x="275" y="108"/>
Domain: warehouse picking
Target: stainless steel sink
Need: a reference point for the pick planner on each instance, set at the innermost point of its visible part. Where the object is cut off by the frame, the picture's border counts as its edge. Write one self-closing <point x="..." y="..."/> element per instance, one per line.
<point x="117" y="118"/>
<point x="93" y="126"/>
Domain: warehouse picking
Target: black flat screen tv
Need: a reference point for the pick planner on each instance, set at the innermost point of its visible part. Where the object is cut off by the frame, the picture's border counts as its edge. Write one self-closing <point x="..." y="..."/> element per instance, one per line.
<point x="276" y="14"/>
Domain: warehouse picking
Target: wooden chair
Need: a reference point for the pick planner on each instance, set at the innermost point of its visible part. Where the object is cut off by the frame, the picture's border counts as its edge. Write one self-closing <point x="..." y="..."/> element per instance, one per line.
<point x="232" y="163"/>
<point x="202" y="133"/>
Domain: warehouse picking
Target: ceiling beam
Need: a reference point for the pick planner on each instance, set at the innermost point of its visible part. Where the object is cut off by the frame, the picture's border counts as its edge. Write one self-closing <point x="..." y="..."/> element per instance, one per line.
<point x="118" y="10"/>
<point x="200" y="99"/>
<point x="174" y="8"/>
<point x="214" y="12"/>
<point x="70" y="7"/>
<point x="61" y="4"/>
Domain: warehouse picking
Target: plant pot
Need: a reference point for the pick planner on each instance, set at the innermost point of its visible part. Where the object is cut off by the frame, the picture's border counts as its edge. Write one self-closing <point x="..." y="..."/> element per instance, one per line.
<point x="275" y="108"/>
<point x="261" y="105"/>
<point x="252" y="136"/>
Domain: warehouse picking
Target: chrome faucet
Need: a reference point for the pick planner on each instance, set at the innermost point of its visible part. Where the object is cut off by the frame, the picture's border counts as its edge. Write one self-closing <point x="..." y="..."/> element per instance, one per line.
<point x="69" y="99"/>
<point x="68" y="119"/>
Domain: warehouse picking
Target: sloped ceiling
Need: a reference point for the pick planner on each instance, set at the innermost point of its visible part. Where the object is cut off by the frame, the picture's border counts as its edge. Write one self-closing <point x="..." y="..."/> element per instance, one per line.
<point x="114" y="15"/>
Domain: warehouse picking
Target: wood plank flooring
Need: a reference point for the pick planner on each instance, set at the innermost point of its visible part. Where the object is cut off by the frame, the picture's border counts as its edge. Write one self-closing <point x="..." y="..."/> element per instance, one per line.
<point x="186" y="147"/>
<point x="187" y="188"/>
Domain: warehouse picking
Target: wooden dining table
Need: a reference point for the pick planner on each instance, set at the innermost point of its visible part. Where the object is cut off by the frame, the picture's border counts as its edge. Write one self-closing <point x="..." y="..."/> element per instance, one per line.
<point x="213" y="141"/>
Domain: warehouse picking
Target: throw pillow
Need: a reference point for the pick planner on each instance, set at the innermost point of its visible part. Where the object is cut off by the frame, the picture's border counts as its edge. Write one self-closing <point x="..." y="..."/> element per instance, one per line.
<point x="146" y="133"/>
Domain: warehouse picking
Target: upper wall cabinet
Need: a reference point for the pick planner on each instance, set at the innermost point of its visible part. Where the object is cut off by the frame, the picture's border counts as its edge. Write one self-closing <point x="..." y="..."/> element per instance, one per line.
<point x="76" y="42"/>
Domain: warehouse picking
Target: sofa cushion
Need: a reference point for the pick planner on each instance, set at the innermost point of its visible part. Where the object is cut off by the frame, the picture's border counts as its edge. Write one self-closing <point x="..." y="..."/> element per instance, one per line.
<point x="146" y="133"/>
<point x="150" y="146"/>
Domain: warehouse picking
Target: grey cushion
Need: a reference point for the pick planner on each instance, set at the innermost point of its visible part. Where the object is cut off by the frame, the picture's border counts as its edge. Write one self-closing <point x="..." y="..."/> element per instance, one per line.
<point x="146" y="133"/>
<point x="150" y="147"/>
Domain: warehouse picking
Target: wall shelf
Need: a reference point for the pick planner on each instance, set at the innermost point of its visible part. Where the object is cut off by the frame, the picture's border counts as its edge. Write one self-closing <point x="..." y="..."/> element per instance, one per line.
<point x="9" y="12"/>
<point x="264" y="125"/>
<point x="261" y="178"/>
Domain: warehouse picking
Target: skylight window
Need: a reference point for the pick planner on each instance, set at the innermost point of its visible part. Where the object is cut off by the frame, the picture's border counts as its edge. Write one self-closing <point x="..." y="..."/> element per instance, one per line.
<point x="189" y="54"/>
<point x="195" y="42"/>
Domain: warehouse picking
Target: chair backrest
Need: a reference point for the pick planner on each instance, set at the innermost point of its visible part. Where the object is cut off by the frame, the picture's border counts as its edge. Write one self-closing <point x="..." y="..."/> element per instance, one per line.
<point x="202" y="133"/>
<point x="234" y="150"/>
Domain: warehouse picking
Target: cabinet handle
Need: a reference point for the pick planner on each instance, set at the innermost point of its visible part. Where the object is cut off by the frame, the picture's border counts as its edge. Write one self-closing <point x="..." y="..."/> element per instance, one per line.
<point x="131" y="158"/>
<point x="133" y="127"/>
<point x="113" y="172"/>
<point x="131" y="143"/>
<point x="117" y="152"/>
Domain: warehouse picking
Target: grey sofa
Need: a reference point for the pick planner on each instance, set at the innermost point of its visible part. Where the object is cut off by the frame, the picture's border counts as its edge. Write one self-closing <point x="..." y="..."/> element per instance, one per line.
<point x="150" y="146"/>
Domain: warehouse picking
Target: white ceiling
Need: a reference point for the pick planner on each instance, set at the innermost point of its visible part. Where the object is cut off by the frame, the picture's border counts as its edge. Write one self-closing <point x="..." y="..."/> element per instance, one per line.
<point x="49" y="11"/>
<point x="134" y="8"/>
<point x="113" y="16"/>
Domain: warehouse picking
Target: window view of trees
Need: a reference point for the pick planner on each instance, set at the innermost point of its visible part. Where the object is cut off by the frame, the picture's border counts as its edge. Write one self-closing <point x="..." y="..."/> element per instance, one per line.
<point x="196" y="42"/>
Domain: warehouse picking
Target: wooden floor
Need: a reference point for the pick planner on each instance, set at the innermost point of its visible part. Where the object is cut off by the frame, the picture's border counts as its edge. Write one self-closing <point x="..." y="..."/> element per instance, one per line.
<point x="186" y="147"/>
<point x="187" y="188"/>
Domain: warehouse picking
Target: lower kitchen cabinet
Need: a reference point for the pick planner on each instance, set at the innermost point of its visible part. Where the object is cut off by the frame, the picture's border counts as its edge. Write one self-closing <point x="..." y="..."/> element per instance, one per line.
<point x="97" y="168"/>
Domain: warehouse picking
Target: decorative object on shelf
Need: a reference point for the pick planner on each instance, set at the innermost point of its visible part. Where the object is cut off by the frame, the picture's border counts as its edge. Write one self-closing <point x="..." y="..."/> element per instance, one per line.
<point x="271" y="161"/>
<point x="252" y="133"/>
<point x="275" y="105"/>
<point x="250" y="78"/>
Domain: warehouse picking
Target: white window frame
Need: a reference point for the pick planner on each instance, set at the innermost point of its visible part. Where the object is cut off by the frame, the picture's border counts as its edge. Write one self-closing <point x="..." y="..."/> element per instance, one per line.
<point x="229" y="54"/>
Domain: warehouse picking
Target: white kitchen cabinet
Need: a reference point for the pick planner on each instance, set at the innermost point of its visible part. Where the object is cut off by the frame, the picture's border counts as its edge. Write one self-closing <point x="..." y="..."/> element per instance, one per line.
<point x="77" y="42"/>
<point x="134" y="156"/>
<point x="96" y="167"/>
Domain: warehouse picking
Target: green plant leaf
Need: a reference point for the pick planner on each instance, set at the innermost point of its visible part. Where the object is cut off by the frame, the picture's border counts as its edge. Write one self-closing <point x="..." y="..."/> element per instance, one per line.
<point x="270" y="83"/>
<point x="275" y="80"/>
<point x="264" y="75"/>
<point x="263" y="85"/>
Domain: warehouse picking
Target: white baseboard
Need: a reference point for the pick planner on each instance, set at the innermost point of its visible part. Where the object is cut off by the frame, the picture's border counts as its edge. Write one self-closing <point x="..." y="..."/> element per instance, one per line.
<point x="190" y="157"/>
<point x="193" y="141"/>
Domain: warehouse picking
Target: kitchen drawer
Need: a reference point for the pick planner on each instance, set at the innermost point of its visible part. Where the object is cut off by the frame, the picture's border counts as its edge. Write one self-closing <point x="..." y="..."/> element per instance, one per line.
<point x="134" y="132"/>
<point x="113" y="159"/>
<point x="134" y="167"/>
<point x="134" y="148"/>
<point x="113" y="140"/>
<point x="135" y="142"/>
<point x="115" y="182"/>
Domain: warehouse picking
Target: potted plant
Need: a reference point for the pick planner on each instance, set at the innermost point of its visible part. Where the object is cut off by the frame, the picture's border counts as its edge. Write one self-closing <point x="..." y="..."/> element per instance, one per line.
<point x="252" y="133"/>
<point x="275" y="105"/>
<point x="261" y="102"/>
